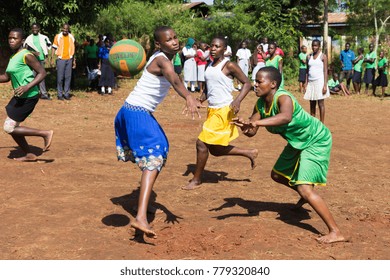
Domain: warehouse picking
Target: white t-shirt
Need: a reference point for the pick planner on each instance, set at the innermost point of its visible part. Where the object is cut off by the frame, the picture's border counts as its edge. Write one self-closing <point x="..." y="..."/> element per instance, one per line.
<point x="243" y="54"/>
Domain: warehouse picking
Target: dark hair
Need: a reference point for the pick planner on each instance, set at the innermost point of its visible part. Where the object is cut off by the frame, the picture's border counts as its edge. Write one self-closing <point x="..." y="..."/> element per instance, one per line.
<point x="20" y="31"/>
<point x="316" y="41"/>
<point x="37" y="24"/>
<point x="222" y="39"/>
<point x="361" y="50"/>
<point x="273" y="74"/>
<point x="273" y="44"/>
<point x="159" y="30"/>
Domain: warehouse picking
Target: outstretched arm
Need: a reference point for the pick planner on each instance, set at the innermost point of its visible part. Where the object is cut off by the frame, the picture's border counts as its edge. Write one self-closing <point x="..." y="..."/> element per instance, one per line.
<point x="169" y="73"/>
<point x="247" y="126"/>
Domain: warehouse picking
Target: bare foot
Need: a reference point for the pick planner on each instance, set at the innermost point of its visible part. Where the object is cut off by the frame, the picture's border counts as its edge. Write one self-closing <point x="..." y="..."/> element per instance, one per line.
<point x="47" y="140"/>
<point x="252" y="157"/>
<point x="27" y="158"/>
<point x="193" y="184"/>
<point x="144" y="227"/>
<point x="331" y="237"/>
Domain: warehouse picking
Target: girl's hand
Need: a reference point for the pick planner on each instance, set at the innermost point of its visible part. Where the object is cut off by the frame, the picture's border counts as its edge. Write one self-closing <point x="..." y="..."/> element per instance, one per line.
<point x="245" y="125"/>
<point x="20" y="91"/>
<point x="324" y="89"/>
<point x="235" y="106"/>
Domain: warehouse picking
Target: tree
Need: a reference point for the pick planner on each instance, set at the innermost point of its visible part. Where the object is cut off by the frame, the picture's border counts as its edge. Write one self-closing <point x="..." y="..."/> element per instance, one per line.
<point x="50" y="14"/>
<point x="372" y="17"/>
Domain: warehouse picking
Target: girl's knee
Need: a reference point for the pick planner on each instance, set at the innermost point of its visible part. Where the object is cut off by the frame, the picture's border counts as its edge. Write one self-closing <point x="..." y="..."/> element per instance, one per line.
<point x="10" y="125"/>
<point x="201" y="146"/>
<point x="305" y="191"/>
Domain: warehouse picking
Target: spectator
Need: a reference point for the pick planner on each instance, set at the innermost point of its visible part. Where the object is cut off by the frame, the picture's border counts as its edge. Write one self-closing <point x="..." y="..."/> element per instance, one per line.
<point x="39" y="45"/>
<point x="64" y="48"/>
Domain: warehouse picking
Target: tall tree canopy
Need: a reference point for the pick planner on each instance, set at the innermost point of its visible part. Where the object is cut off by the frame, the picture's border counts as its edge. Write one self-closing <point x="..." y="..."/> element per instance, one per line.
<point x="50" y="14"/>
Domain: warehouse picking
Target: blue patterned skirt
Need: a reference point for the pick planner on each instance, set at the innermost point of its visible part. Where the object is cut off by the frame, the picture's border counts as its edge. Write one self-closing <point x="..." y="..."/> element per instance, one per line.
<point x="139" y="138"/>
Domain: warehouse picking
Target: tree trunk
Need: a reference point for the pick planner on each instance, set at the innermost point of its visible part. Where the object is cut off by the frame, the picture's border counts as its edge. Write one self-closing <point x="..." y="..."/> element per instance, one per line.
<point x="325" y="43"/>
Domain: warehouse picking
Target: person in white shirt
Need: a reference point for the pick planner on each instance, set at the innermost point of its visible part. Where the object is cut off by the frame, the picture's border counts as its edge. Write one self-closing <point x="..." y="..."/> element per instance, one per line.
<point x="39" y="45"/>
<point x="243" y="60"/>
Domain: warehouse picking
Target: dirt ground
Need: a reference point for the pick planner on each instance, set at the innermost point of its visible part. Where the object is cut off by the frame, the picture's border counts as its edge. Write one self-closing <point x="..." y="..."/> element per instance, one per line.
<point x="77" y="201"/>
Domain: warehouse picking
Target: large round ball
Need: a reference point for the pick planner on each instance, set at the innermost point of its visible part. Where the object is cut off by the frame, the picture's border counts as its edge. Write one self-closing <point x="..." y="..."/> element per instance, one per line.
<point x="127" y="57"/>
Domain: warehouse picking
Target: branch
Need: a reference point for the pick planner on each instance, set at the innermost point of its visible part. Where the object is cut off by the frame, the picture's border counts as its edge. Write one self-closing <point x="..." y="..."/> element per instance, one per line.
<point x="384" y="22"/>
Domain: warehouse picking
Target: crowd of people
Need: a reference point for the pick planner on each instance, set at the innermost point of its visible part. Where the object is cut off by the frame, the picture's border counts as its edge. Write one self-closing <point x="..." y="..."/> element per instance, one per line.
<point x="302" y="165"/>
<point x="61" y="54"/>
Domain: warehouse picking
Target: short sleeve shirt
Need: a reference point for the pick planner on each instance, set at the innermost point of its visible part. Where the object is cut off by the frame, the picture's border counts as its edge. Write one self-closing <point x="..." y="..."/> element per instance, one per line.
<point x="302" y="56"/>
<point x="371" y="55"/>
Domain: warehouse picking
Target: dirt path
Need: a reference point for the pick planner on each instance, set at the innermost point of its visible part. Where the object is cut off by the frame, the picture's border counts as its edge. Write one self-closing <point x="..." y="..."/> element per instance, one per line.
<point x="77" y="201"/>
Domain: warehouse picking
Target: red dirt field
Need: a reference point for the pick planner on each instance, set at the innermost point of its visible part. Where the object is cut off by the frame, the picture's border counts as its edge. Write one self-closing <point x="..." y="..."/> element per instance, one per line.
<point x="77" y="201"/>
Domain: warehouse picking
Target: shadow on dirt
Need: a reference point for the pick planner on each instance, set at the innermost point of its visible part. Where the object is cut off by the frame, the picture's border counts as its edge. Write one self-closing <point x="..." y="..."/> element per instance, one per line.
<point x="286" y="211"/>
<point x="212" y="176"/>
<point x="129" y="203"/>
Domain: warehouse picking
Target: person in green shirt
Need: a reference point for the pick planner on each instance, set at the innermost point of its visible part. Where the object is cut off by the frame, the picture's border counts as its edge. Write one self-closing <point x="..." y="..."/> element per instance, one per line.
<point x="381" y="80"/>
<point x="39" y="45"/>
<point x="302" y="69"/>
<point x="304" y="162"/>
<point x="369" y="74"/>
<point x="357" y="71"/>
<point x="26" y="94"/>
<point x="275" y="60"/>
<point x="335" y="87"/>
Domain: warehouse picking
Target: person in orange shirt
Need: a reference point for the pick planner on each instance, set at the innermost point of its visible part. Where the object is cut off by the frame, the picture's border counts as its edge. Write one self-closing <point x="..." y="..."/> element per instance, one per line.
<point x="64" y="48"/>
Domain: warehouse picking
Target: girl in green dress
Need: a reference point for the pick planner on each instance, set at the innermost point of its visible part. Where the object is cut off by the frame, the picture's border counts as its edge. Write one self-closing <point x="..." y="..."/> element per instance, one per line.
<point x="275" y="61"/>
<point x="304" y="162"/>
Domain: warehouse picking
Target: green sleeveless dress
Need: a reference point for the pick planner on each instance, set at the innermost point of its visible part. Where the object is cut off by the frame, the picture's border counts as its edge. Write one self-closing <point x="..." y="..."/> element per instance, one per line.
<point x="305" y="159"/>
<point x="275" y="63"/>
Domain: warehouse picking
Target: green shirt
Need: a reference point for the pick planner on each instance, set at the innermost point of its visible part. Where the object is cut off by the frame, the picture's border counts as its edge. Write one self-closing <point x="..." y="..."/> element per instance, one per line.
<point x="177" y="60"/>
<point x="371" y="55"/>
<point x="332" y="83"/>
<point x="382" y="63"/>
<point x="302" y="56"/>
<point x="37" y="44"/>
<point x="274" y="62"/>
<point x="302" y="131"/>
<point x="358" y="66"/>
<point x="91" y="51"/>
<point x="21" y="74"/>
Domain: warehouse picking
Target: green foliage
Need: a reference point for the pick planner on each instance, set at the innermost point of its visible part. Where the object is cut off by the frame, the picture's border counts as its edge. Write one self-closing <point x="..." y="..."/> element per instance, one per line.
<point x="48" y="13"/>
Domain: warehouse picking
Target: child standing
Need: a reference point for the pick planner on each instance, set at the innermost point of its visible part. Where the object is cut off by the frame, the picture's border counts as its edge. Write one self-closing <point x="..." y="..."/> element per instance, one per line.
<point x="317" y="75"/>
<point x="275" y="60"/>
<point x="304" y="162"/>
<point x="139" y="137"/>
<point x="369" y="73"/>
<point x="381" y="80"/>
<point x="107" y="78"/>
<point x="217" y="130"/>
<point x="26" y="94"/>
<point x="243" y="60"/>
<point x="258" y="61"/>
<point x="357" y="71"/>
<point x="190" y="68"/>
<point x="302" y="69"/>
<point x="201" y="61"/>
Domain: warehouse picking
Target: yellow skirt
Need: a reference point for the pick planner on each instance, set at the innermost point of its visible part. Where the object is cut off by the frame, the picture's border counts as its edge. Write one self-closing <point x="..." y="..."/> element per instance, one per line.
<point x="217" y="129"/>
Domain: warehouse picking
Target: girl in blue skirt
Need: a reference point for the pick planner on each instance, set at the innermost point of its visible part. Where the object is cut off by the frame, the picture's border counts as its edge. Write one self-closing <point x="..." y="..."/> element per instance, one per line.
<point x="139" y="137"/>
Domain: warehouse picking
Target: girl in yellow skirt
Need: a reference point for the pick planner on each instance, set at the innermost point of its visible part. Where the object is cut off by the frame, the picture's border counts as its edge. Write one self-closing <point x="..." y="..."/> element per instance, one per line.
<point x="217" y="129"/>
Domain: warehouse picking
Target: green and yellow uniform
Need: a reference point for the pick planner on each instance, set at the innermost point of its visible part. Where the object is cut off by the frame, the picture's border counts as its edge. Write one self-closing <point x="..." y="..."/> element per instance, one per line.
<point x="21" y="74"/>
<point x="305" y="159"/>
